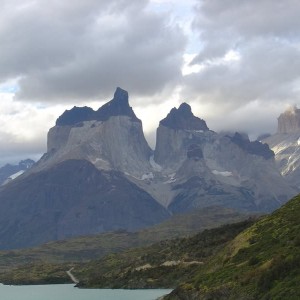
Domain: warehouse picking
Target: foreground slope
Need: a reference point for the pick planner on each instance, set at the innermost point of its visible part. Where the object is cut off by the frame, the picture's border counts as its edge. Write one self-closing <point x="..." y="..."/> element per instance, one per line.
<point x="263" y="262"/>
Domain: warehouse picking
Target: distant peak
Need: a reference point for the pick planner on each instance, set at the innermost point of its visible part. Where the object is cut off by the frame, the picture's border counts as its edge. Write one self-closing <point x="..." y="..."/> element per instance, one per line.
<point x="289" y="121"/>
<point x="183" y="118"/>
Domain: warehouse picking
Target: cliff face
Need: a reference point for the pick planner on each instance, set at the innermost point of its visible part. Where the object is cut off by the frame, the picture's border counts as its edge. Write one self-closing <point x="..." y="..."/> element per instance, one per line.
<point x="289" y="121"/>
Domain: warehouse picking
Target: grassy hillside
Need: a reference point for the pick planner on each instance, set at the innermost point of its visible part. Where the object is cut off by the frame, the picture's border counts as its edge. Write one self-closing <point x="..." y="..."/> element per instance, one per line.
<point x="85" y="248"/>
<point x="263" y="262"/>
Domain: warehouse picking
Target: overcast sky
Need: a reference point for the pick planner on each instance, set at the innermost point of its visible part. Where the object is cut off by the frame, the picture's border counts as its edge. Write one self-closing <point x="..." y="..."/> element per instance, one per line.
<point x="237" y="62"/>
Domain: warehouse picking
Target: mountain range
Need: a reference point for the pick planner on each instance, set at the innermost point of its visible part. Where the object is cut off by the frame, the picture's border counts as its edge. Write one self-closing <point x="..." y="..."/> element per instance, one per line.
<point x="9" y="171"/>
<point x="99" y="174"/>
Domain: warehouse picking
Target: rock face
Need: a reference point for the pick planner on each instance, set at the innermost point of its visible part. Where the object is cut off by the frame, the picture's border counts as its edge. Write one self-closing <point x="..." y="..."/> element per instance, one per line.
<point x="99" y="174"/>
<point x="289" y="121"/>
<point x="286" y="146"/>
<point x="10" y="172"/>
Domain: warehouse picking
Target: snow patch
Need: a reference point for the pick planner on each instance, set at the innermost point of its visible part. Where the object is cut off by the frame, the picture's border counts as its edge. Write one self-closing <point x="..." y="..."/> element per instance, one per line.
<point x="156" y="167"/>
<point x="222" y="173"/>
<point x="14" y="176"/>
<point x="172" y="178"/>
<point x="147" y="176"/>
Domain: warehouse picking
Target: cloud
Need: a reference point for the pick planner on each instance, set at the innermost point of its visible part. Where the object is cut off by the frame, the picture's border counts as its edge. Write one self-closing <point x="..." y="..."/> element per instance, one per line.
<point x="66" y="50"/>
<point x="23" y="128"/>
<point x="250" y="57"/>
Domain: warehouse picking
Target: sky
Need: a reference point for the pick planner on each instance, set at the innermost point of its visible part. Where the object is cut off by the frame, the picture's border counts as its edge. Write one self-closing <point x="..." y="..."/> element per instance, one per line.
<point x="236" y="62"/>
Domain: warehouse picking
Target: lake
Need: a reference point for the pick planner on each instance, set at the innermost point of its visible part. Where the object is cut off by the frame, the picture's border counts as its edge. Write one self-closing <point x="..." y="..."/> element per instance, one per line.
<point x="69" y="292"/>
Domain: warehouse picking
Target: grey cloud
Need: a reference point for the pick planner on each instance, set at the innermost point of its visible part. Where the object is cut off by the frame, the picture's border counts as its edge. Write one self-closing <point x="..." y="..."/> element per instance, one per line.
<point x="66" y="50"/>
<point x="227" y="24"/>
<point x="266" y="34"/>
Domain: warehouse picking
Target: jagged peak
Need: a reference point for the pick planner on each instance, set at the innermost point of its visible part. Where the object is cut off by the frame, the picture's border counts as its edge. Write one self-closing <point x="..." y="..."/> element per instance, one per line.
<point x="118" y="106"/>
<point x="121" y="95"/>
<point x="183" y="118"/>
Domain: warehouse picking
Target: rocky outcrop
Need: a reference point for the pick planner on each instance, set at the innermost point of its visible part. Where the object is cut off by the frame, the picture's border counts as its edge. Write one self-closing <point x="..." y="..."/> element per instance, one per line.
<point x="289" y="121"/>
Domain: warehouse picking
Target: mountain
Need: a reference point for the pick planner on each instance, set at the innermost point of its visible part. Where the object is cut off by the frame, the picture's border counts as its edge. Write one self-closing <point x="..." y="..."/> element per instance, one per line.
<point x="9" y="172"/>
<point x="205" y="168"/>
<point x="99" y="174"/>
<point x="286" y="145"/>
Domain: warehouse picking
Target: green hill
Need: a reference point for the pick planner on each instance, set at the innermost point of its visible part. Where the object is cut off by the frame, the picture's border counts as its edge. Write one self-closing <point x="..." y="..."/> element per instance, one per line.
<point x="263" y="262"/>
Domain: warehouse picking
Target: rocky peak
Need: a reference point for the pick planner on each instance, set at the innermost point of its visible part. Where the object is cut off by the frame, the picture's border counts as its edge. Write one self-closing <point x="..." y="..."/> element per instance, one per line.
<point x="118" y="106"/>
<point x="289" y="121"/>
<point x="183" y="118"/>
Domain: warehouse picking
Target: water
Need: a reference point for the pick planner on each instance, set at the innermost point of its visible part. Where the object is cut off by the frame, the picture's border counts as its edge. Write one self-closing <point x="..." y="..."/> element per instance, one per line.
<point x="69" y="292"/>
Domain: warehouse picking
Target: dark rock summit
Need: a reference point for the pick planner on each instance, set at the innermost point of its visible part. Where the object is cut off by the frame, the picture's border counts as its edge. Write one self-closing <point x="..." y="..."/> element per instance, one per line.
<point x="183" y="118"/>
<point x="118" y="106"/>
<point x="75" y="116"/>
<point x="255" y="147"/>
